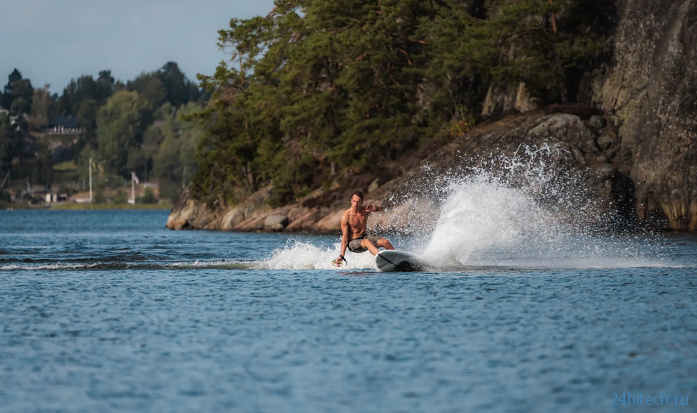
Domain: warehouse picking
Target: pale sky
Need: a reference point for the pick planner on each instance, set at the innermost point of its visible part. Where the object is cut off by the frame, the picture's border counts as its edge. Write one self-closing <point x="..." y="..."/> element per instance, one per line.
<point x="54" y="41"/>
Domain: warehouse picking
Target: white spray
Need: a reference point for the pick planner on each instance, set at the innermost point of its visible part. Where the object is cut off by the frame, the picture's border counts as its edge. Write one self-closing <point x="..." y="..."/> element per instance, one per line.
<point x="524" y="211"/>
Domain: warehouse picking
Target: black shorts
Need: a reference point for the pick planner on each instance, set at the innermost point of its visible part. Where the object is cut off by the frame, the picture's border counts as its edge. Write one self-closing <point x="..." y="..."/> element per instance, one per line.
<point x="355" y="244"/>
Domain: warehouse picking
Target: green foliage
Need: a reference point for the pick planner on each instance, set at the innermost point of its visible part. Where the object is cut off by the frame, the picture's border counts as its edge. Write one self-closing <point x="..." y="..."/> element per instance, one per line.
<point x="338" y="83"/>
<point x="120" y="197"/>
<point x="120" y="129"/>
<point x="358" y="82"/>
<point x="315" y="85"/>
<point x="148" y="198"/>
<point x="175" y="159"/>
<point x="42" y="106"/>
<point x="82" y="161"/>
<point x="178" y="89"/>
<point x="85" y="88"/>
<point x="99" y="197"/>
<point x="10" y="144"/>
<point x="87" y="117"/>
<point x="18" y="93"/>
<point x="168" y="84"/>
<point x="150" y="88"/>
<point x="530" y="41"/>
<point x="44" y="172"/>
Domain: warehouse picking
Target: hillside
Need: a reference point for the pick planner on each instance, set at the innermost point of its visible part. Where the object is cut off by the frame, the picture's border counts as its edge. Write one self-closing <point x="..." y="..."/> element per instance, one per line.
<point x="634" y="160"/>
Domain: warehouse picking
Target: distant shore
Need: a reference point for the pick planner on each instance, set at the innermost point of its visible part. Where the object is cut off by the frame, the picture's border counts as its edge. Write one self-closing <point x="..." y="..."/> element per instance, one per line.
<point x="86" y="206"/>
<point x="75" y="206"/>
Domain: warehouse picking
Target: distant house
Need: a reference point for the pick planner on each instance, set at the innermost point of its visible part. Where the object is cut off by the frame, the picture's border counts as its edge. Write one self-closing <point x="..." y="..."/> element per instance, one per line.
<point x="52" y="197"/>
<point x="64" y="126"/>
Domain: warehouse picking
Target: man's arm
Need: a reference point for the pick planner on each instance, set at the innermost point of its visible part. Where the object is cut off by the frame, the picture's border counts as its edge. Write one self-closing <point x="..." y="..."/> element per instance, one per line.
<point x="373" y="208"/>
<point x="344" y="234"/>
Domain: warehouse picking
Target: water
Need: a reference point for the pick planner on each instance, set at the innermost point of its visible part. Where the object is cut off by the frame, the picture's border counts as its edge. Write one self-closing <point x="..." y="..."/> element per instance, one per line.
<point x="108" y="311"/>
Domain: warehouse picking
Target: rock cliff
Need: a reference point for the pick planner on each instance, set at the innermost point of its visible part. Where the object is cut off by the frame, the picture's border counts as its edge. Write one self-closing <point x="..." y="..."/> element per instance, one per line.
<point x="649" y="91"/>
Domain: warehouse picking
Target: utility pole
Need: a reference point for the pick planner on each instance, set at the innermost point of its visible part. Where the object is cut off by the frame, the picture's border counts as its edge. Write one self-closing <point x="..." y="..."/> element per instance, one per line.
<point x="90" y="168"/>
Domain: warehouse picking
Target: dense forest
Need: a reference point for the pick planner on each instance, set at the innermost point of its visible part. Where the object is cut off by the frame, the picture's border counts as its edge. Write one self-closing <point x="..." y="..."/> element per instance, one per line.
<point x="318" y="87"/>
<point x="49" y="139"/>
<point x="313" y="90"/>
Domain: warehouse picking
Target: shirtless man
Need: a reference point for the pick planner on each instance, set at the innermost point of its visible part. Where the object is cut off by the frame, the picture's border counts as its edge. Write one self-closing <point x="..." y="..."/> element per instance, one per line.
<point x="353" y="227"/>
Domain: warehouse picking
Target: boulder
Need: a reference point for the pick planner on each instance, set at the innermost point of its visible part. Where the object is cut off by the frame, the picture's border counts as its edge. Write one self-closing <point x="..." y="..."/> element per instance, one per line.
<point x="596" y="122"/>
<point x="275" y="222"/>
<point x="177" y="224"/>
<point x="374" y="185"/>
<point x="605" y="142"/>
<point x="189" y="213"/>
<point x="303" y="221"/>
<point x="330" y="223"/>
<point x="251" y="207"/>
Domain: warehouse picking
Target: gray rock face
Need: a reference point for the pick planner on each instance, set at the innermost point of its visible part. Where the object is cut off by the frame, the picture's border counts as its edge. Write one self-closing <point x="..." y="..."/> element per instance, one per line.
<point x="188" y="214"/>
<point x="605" y="142"/>
<point x="275" y="222"/>
<point x="596" y="122"/>
<point x="650" y="94"/>
<point x="585" y="167"/>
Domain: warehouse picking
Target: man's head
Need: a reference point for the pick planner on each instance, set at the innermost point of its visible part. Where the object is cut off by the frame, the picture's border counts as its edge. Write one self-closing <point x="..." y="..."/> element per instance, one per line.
<point x="357" y="199"/>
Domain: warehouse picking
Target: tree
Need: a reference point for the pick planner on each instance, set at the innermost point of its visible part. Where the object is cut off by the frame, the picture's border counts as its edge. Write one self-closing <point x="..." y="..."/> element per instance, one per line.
<point x="316" y="82"/>
<point x="119" y="129"/>
<point x="120" y="197"/>
<point x="44" y="172"/>
<point x="13" y="77"/>
<point x="148" y="198"/>
<point x="9" y="144"/>
<point x="42" y="106"/>
<point x="87" y="117"/>
<point x="18" y="93"/>
<point x="104" y="88"/>
<point x="83" y="89"/>
<point x="179" y="90"/>
<point x="175" y="163"/>
<point x="149" y="86"/>
<point x="536" y="42"/>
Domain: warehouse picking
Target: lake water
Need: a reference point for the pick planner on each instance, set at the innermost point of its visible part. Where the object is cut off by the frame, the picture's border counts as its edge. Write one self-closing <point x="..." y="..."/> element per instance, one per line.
<point x="108" y="311"/>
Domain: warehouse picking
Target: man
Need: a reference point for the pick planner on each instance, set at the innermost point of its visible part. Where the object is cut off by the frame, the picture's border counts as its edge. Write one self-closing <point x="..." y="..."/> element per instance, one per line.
<point x="353" y="229"/>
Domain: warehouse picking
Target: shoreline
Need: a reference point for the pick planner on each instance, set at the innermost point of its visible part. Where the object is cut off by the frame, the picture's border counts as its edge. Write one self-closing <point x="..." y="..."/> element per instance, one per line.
<point x="84" y="207"/>
<point x="79" y="207"/>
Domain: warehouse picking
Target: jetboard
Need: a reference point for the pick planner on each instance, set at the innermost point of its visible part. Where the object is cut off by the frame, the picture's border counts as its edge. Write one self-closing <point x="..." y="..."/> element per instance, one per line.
<point x="393" y="260"/>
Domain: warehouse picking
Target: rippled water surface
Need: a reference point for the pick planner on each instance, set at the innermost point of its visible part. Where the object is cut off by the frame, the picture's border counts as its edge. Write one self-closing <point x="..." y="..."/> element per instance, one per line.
<point x="107" y="311"/>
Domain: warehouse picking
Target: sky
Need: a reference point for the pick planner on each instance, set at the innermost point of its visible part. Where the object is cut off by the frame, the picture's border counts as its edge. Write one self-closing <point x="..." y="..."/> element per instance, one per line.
<point x="54" y="41"/>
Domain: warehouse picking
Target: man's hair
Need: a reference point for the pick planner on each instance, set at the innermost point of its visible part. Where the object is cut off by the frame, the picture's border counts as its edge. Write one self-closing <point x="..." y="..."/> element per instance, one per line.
<point x="358" y="193"/>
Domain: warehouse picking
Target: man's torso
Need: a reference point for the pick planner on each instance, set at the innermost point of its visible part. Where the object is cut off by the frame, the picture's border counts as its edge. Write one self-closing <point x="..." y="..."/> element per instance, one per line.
<point x="357" y="222"/>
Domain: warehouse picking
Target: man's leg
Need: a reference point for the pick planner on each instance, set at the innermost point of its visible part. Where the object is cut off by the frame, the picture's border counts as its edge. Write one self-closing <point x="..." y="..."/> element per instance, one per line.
<point x="369" y="245"/>
<point x="384" y="243"/>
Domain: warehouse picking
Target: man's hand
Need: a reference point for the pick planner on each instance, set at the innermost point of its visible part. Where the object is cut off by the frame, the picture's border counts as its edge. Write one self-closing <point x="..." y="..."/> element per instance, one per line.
<point x="340" y="261"/>
<point x="371" y="208"/>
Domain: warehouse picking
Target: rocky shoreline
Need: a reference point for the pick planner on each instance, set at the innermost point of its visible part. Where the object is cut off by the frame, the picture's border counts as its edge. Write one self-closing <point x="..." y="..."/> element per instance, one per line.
<point x="582" y="146"/>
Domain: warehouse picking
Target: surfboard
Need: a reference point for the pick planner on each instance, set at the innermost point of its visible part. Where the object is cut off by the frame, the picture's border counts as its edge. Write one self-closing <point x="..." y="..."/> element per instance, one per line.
<point x="392" y="260"/>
